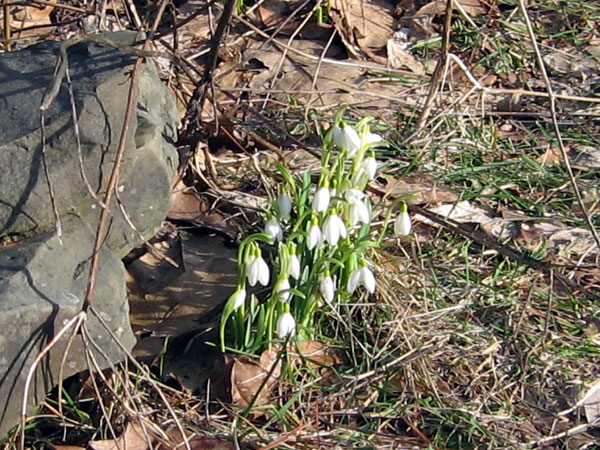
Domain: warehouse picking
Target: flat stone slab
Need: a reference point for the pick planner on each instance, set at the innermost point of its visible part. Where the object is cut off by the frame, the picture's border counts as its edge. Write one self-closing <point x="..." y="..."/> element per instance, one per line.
<point x="42" y="286"/>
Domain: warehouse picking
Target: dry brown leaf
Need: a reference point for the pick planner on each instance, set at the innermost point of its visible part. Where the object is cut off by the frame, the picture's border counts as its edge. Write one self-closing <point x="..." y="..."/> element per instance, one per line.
<point x="585" y="157"/>
<point x="196" y="442"/>
<point x="423" y="192"/>
<point x="315" y="353"/>
<point x="247" y="376"/>
<point x="279" y="15"/>
<point x="473" y="8"/>
<point x="270" y="361"/>
<point x="328" y="87"/>
<point x="466" y="212"/>
<point x="208" y="280"/>
<point x="573" y="241"/>
<point x="399" y="55"/>
<point x="421" y="21"/>
<point x="368" y="24"/>
<point x="133" y="438"/>
<point x="188" y="206"/>
<point x="591" y="403"/>
<point x="431" y="9"/>
<point x="248" y="382"/>
<point x="159" y="265"/>
<point x="28" y="16"/>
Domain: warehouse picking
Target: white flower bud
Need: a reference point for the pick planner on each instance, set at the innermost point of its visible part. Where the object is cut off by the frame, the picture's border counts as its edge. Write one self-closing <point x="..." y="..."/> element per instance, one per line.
<point x="284" y="206"/>
<point x="402" y="224"/>
<point x="314" y="237"/>
<point x="257" y="270"/>
<point x="334" y="229"/>
<point x="286" y="325"/>
<point x="294" y="270"/>
<point x="346" y="138"/>
<point x="327" y="287"/>
<point x="362" y="275"/>
<point x="238" y="298"/>
<point x="282" y="290"/>
<point x="273" y="229"/>
<point x="321" y="199"/>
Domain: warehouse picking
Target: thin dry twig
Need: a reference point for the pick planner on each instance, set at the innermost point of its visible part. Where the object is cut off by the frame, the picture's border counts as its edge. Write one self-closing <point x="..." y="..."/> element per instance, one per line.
<point x="434" y="83"/>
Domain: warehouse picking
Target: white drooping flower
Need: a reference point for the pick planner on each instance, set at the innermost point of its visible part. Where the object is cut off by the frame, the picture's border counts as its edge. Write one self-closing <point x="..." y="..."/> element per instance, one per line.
<point x="273" y="229"/>
<point x="366" y="172"/>
<point x="369" y="165"/>
<point x="362" y="275"/>
<point x="257" y="270"/>
<point x="358" y="211"/>
<point x="346" y="138"/>
<point x="327" y="287"/>
<point x="402" y="224"/>
<point x="371" y="138"/>
<point x="282" y="290"/>
<point x="314" y="236"/>
<point x="334" y="229"/>
<point x="321" y="199"/>
<point x="354" y="195"/>
<point x="286" y="325"/>
<point x="284" y="206"/>
<point x="238" y="298"/>
<point x="294" y="269"/>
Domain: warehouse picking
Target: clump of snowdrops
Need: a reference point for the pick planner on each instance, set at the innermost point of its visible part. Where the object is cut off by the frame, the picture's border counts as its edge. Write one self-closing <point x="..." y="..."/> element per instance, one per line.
<point x="317" y="236"/>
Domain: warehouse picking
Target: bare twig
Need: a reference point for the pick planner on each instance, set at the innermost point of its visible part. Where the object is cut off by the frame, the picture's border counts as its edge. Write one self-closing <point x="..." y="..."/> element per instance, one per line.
<point x="57" y="223"/>
<point x="434" y="84"/>
<point x="7" y="25"/>
<point x="482" y="239"/>
<point x="196" y="104"/>
<point x="74" y="323"/>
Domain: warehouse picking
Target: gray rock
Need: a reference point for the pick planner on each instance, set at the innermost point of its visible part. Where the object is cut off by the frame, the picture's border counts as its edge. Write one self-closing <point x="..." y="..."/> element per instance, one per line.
<point x="43" y="282"/>
<point x="42" y="286"/>
<point x="100" y="78"/>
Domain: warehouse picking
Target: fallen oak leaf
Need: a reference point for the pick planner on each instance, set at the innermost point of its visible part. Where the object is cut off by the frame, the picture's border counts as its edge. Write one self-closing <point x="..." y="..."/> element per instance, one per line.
<point x="315" y="353"/>
<point x="363" y="24"/>
<point x="248" y="384"/>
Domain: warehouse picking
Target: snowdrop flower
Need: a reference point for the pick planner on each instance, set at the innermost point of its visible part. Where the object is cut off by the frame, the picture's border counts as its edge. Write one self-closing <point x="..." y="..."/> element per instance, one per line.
<point x="286" y="325"/>
<point x="358" y="210"/>
<point x="369" y="166"/>
<point x="284" y="206"/>
<point x="402" y="224"/>
<point x="273" y="229"/>
<point x="371" y="138"/>
<point x="327" y="287"/>
<point x="354" y="196"/>
<point x="321" y="199"/>
<point x="314" y="236"/>
<point x="282" y="290"/>
<point x="257" y="270"/>
<point x="294" y="270"/>
<point x="362" y="275"/>
<point x="366" y="172"/>
<point x="238" y="298"/>
<point x="334" y="229"/>
<point x="346" y="138"/>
